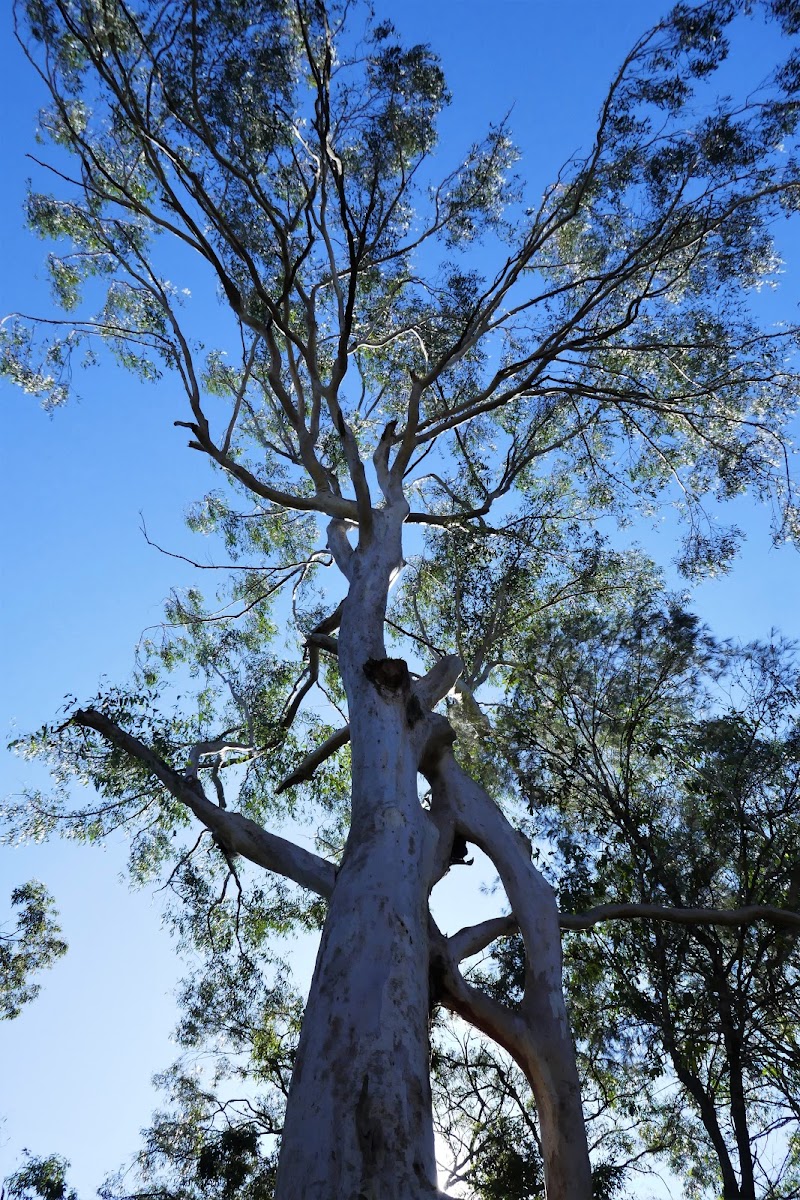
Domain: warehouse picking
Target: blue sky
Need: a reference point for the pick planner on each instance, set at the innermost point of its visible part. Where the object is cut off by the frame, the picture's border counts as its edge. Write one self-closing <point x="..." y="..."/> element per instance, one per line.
<point x="80" y="583"/>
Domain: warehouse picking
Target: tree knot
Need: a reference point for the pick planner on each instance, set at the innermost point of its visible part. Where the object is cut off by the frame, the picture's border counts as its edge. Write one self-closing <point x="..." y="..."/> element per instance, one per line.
<point x="389" y="675"/>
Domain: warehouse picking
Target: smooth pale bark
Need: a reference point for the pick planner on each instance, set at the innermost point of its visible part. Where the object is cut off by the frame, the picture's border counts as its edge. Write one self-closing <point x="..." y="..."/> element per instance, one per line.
<point x="358" y="1122"/>
<point x="538" y="1034"/>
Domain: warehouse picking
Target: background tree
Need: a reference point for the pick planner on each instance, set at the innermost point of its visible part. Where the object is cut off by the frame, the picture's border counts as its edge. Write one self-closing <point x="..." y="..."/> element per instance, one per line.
<point x="607" y="357"/>
<point x="45" y="1178"/>
<point x="34" y="944"/>
<point x="661" y="771"/>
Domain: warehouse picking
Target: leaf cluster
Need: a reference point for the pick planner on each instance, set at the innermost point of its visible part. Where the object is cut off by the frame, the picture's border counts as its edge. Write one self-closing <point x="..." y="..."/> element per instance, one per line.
<point x="32" y="946"/>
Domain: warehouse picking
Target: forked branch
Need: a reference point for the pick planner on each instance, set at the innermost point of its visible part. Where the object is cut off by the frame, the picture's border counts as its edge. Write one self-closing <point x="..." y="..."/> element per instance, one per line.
<point x="235" y="832"/>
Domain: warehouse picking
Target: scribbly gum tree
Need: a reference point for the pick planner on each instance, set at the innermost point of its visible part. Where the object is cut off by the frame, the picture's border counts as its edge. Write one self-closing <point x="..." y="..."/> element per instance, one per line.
<point x="394" y="351"/>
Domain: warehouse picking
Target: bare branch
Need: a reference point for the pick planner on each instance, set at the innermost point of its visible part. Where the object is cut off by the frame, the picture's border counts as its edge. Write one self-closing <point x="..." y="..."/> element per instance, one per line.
<point x="681" y="916"/>
<point x="219" y="746"/>
<point x="302" y="687"/>
<point x="340" y="547"/>
<point x="544" y="1050"/>
<point x="323" y="641"/>
<point x="474" y="938"/>
<point x="451" y="989"/>
<point x="390" y="487"/>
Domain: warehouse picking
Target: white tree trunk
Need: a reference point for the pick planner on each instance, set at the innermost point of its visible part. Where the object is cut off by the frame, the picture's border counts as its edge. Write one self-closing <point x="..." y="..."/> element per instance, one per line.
<point x="359" y="1122"/>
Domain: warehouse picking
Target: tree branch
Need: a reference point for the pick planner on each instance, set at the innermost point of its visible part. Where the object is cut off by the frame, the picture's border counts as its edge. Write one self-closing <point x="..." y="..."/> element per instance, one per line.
<point x="217" y="746"/>
<point x="315" y="759"/>
<point x="451" y="989"/>
<point x="474" y="938"/>
<point x="236" y="833"/>
<point x="544" y="1050"/>
<point x="340" y="547"/>
<point x="680" y="916"/>
<point x="434" y="686"/>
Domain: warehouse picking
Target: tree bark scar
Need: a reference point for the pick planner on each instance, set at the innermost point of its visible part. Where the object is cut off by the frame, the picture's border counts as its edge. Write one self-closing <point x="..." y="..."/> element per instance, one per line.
<point x="389" y="676"/>
<point x="436" y="973"/>
<point x="414" y="711"/>
<point x="370" y="1139"/>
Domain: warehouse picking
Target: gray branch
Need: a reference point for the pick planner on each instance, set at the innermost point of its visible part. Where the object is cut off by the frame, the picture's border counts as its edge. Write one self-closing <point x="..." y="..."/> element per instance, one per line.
<point x="219" y="746"/>
<point x="438" y="681"/>
<point x="680" y="916"/>
<point x="340" y="547"/>
<point x="474" y="938"/>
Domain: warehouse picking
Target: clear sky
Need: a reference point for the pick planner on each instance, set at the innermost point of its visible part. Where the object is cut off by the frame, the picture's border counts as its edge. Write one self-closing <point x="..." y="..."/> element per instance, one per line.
<point x="79" y="583"/>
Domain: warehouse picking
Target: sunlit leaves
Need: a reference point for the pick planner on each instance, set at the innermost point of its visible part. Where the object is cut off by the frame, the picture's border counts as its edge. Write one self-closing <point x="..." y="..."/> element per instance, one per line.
<point x="201" y="1146"/>
<point x="294" y="163"/>
<point x="600" y="361"/>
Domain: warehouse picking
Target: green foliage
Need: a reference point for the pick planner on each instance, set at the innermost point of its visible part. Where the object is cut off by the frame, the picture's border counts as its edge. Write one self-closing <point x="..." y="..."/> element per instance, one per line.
<point x="295" y="166"/>
<point x="663" y="768"/>
<point x="201" y="1147"/>
<point x="503" y="1170"/>
<point x="33" y="946"/>
<point x="217" y="1134"/>
<point x="609" y="362"/>
<point x="658" y="766"/>
<point x="482" y="1117"/>
<point x="41" y="1179"/>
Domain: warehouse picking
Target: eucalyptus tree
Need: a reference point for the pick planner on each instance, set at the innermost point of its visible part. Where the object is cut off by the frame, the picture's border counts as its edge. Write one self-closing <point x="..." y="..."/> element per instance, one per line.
<point x="371" y="377"/>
